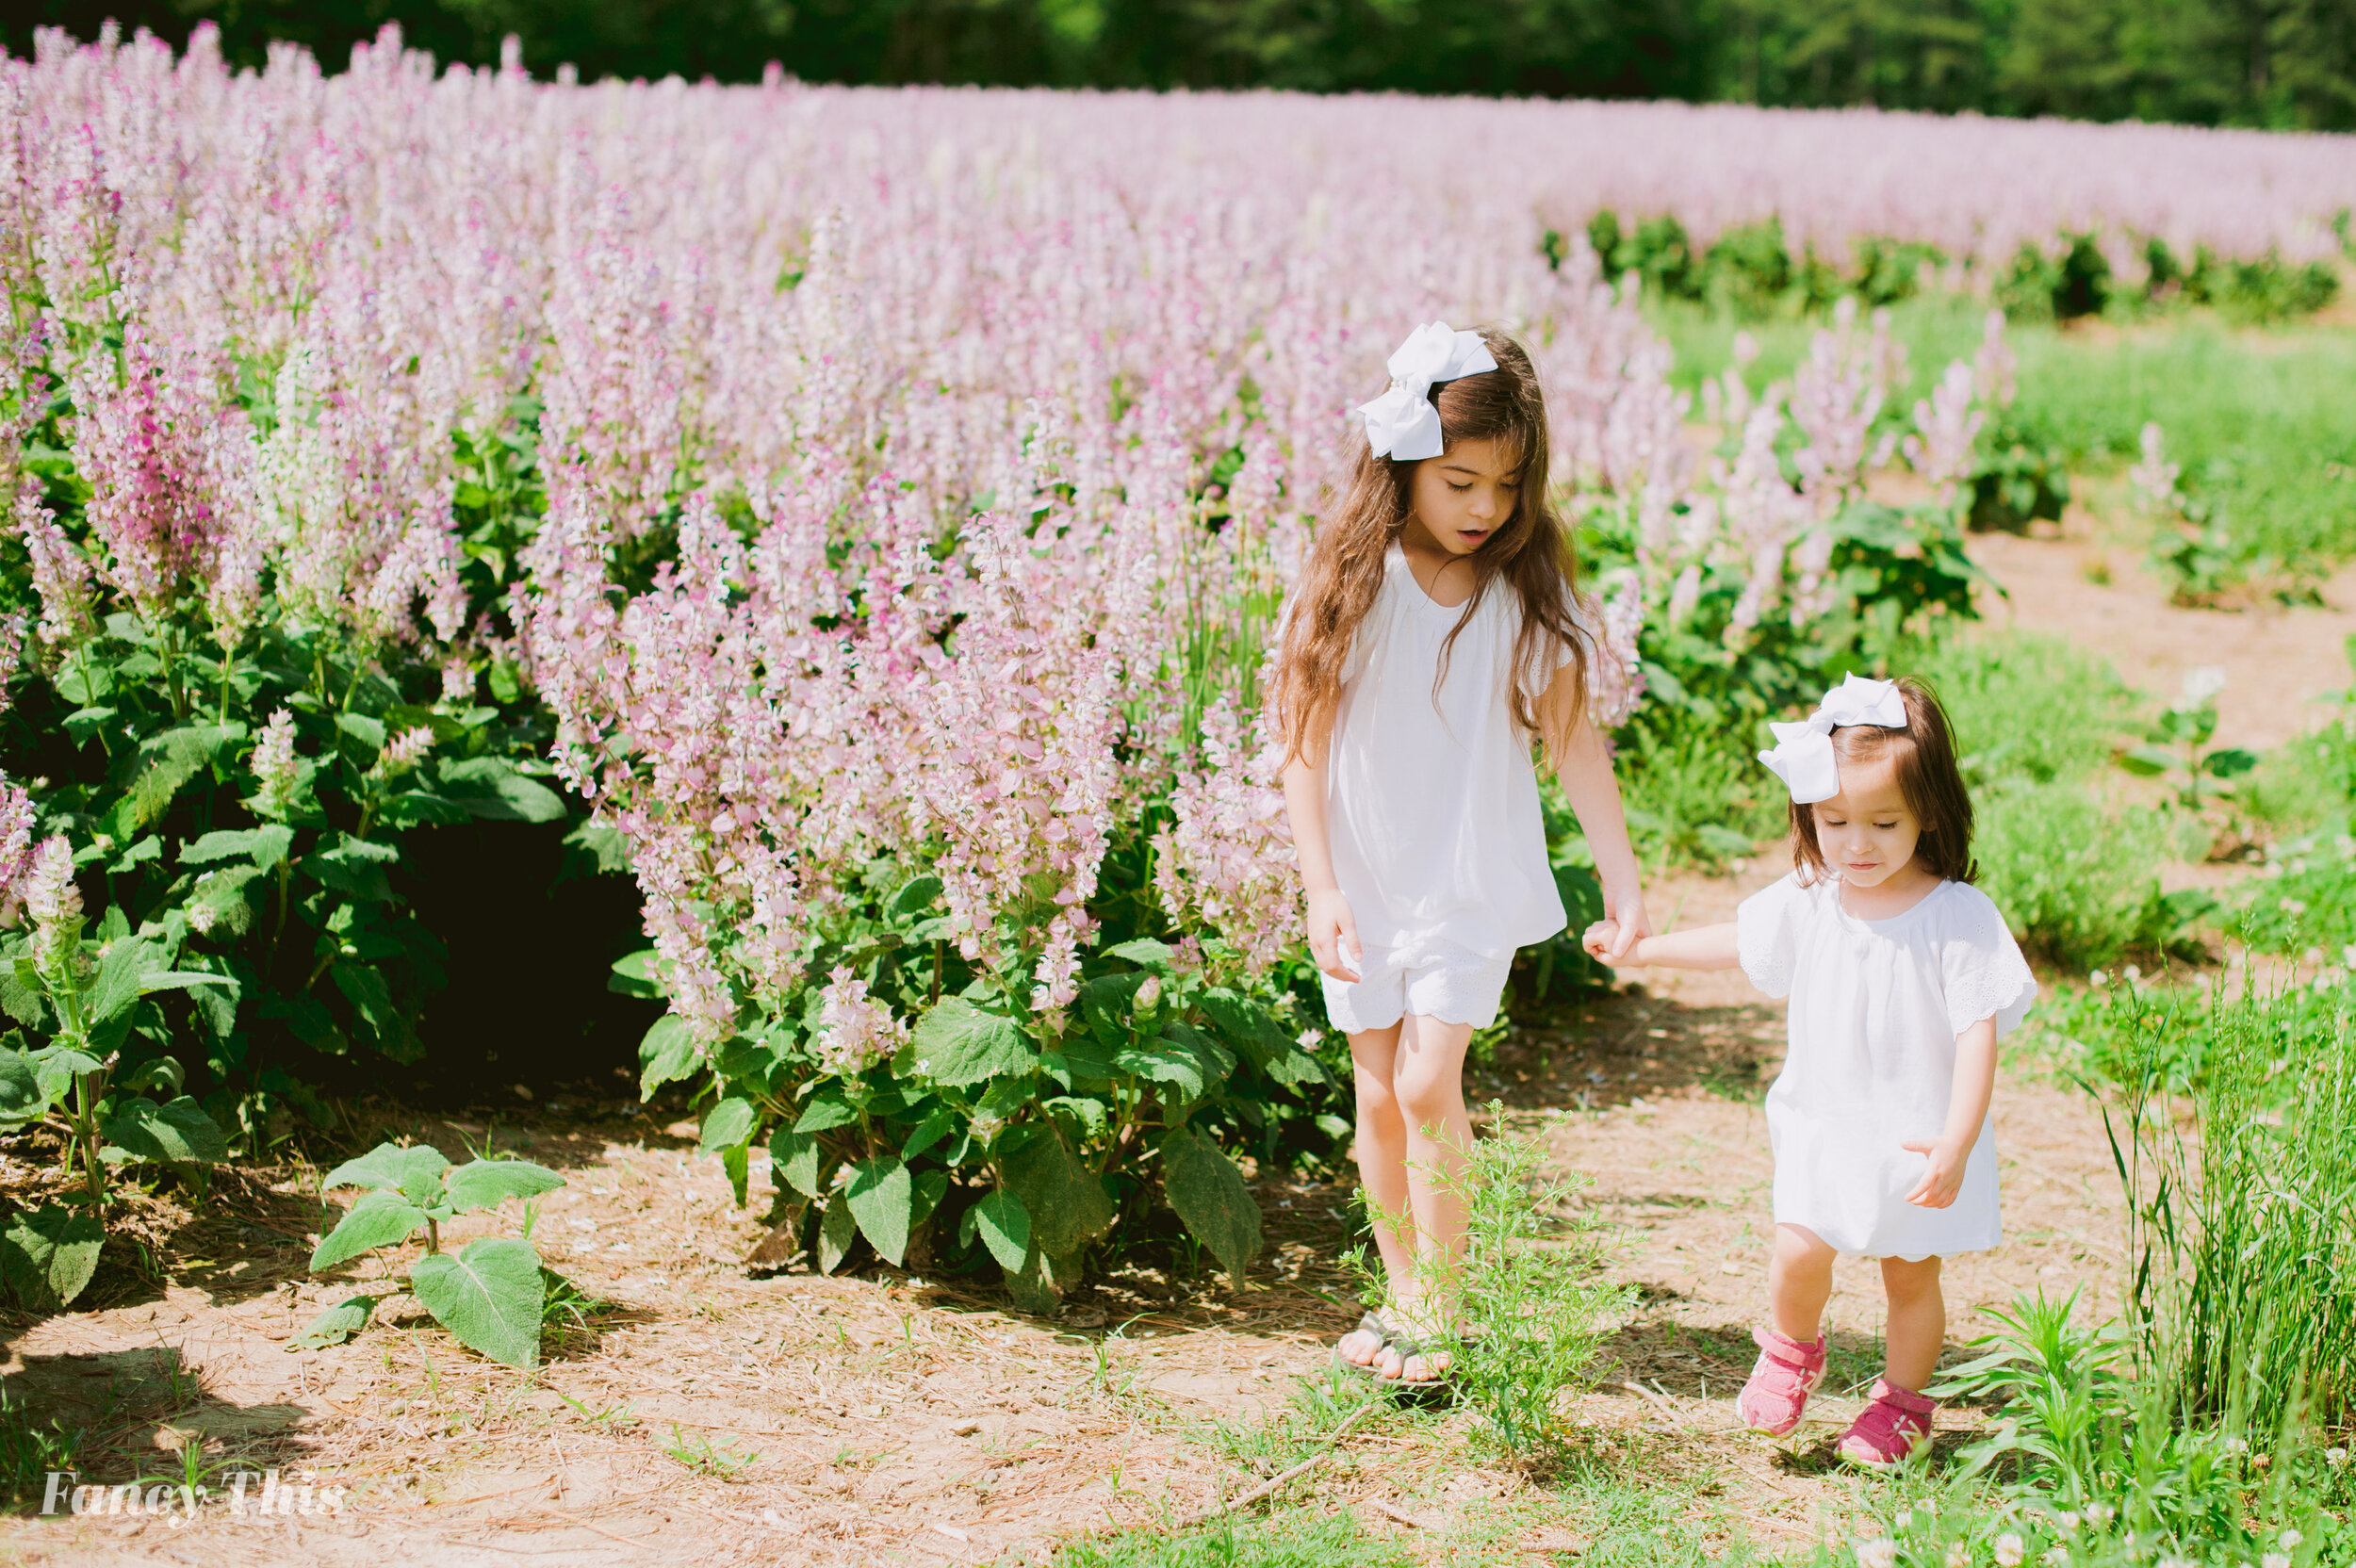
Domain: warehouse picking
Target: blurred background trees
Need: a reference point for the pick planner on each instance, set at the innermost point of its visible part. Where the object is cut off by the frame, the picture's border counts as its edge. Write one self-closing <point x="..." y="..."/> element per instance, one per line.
<point x="2288" y="64"/>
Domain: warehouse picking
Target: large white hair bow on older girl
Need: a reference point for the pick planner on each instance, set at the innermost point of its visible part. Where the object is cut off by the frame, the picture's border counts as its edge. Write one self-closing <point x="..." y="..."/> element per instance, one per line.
<point x="1803" y="757"/>
<point x="1401" y="423"/>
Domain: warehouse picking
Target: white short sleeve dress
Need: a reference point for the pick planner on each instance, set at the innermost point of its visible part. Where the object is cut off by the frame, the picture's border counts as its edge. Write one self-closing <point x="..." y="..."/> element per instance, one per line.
<point x="1876" y="1006"/>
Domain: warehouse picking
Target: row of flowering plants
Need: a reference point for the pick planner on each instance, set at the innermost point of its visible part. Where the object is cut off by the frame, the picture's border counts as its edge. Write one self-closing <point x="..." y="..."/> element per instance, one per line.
<point x="872" y="530"/>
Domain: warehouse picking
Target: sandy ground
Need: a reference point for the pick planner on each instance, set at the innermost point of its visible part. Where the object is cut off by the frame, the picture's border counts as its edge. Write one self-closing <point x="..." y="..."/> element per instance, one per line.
<point x="708" y="1412"/>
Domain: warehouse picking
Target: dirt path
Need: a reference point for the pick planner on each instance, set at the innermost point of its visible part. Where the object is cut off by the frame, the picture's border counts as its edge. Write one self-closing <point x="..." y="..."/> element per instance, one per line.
<point x="2277" y="660"/>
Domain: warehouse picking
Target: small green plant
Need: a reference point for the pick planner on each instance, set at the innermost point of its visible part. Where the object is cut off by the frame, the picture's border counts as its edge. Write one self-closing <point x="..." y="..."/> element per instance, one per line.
<point x="1528" y="1291"/>
<point x="700" y="1454"/>
<point x="492" y="1293"/>
<point x="2177" y="749"/>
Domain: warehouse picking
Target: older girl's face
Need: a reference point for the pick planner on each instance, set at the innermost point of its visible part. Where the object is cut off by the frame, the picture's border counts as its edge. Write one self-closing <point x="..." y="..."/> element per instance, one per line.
<point x="1465" y="495"/>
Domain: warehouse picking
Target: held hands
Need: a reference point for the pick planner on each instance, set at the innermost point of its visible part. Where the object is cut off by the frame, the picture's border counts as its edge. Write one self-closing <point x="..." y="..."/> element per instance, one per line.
<point x="1943" y="1177"/>
<point x="1333" y="933"/>
<point x="1618" y="937"/>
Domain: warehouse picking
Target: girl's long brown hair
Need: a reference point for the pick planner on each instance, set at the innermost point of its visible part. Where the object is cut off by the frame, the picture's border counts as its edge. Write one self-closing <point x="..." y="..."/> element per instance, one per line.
<point x="1531" y="553"/>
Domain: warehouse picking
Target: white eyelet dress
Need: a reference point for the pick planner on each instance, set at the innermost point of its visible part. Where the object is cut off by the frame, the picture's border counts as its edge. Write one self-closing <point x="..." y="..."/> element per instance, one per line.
<point x="1876" y="1006"/>
<point x="1432" y="804"/>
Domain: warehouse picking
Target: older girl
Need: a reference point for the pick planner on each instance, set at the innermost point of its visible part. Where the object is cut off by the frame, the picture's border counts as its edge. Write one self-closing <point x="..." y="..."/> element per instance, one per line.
<point x="1435" y="637"/>
<point x="1902" y="976"/>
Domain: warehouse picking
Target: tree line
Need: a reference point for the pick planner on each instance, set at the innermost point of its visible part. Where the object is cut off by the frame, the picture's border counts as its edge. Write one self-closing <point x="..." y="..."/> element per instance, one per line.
<point x="2286" y="64"/>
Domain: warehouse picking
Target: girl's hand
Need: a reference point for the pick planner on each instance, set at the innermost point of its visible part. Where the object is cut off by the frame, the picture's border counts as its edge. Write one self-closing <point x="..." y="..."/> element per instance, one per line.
<point x="1600" y="939"/>
<point x="1624" y="910"/>
<point x="1333" y="933"/>
<point x="1942" y="1176"/>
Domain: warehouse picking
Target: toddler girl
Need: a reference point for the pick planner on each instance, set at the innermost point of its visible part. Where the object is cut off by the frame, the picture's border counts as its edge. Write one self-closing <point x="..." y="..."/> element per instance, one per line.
<point x="1902" y="976"/>
<point x="1435" y="635"/>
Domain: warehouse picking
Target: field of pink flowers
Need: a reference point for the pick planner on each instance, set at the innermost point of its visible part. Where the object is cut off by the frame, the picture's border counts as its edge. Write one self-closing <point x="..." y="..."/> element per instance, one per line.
<point x="879" y="498"/>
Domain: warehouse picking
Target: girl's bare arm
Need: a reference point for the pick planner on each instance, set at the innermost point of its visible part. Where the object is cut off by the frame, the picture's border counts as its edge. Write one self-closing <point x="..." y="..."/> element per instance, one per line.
<point x="1695" y="947"/>
<point x="1584" y="767"/>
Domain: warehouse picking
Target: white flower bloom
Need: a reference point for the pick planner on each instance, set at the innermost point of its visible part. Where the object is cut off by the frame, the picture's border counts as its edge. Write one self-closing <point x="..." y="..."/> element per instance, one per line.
<point x="1877" y="1554"/>
<point x="2335" y="1458"/>
<point x="2010" y="1552"/>
<point x="2275" y="1559"/>
<point x="2067" y="1521"/>
<point x="1958" y="1554"/>
<point x="2056" y="1557"/>
<point x="2100" y="1514"/>
<point x="2289" y="1540"/>
<point x="2201" y="684"/>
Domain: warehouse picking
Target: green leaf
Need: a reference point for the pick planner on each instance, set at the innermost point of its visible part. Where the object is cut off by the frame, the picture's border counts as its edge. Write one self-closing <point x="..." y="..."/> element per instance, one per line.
<point x="1146" y="953"/>
<point x="21" y="1097"/>
<point x="1105" y="1003"/>
<point x="1208" y="1193"/>
<point x="356" y="875"/>
<point x="263" y="846"/>
<point x="837" y="1230"/>
<point x="365" y="987"/>
<point x="336" y="1324"/>
<point x="914" y="897"/>
<point x="488" y="1294"/>
<point x="1158" y="1061"/>
<point x="117" y="986"/>
<point x="634" y="975"/>
<point x="667" y="1051"/>
<point x="958" y="1043"/>
<point x="729" y="1122"/>
<point x="1005" y="1226"/>
<point x="146" y="849"/>
<point x="2229" y="763"/>
<point x="930" y="1131"/>
<point x="736" y="1162"/>
<point x="20" y="1000"/>
<point x="794" y="1157"/>
<point x="878" y="1195"/>
<point x="48" y="1255"/>
<point x="825" y="1111"/>
<point x="416" y="1169"/>
<point x="2148" y="761"/>
<point x="492" y="788"/>
<point x="1068" y="1205"/>
<point x="488" y="1184"/>
<point x="174" y="1132"/>
<point x="368" y="732"/>
<point x="380" y="1218"/>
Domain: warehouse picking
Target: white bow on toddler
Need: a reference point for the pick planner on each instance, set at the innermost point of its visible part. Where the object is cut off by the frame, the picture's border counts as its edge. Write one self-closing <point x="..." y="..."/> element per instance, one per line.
<point x="1401" y="423"/>
<point x="1803" y="757"/>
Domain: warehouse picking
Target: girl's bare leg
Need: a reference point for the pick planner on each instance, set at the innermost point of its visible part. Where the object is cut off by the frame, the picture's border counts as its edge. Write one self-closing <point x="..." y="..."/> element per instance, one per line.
<point x="1799" y="1282"/>
<point x="1382" y="1171"/>
<point x="1917" y="1329"/>
<point x="1428" y="1086"/>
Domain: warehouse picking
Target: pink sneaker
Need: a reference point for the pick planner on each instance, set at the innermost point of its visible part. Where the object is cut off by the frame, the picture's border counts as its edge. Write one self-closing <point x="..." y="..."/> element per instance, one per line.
<point x="1888" y="1430"/>
<point x="1788" y="1372"/>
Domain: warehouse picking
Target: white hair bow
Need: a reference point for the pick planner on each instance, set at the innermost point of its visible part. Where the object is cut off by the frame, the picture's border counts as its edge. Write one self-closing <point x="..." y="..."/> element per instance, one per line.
<point x="1401" y="423"/>
<point x="1803" y="757"/>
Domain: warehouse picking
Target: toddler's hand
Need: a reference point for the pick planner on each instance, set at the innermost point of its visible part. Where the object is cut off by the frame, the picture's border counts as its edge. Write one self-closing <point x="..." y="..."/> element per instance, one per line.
<point x="1601" y="938"/>
<point x="1333" y="933"/>
<point x="1942" y="1176"/>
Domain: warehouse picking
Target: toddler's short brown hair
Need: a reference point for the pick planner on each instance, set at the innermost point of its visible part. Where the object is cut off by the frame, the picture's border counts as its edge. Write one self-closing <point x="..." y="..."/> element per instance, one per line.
<point x="1928" y="776"/>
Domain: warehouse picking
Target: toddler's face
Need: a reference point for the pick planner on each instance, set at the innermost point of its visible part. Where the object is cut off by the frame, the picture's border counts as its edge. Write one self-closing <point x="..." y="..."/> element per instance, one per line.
<point x="1464" y="494"/>
<point x="1866" y="832"/>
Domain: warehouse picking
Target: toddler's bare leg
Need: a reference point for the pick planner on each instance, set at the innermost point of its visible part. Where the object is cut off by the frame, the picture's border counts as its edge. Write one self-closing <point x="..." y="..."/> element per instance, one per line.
<point x="1382" y="1171"/>
<point x="1918" y="1321"/>
<point x="1799" y="1282"/>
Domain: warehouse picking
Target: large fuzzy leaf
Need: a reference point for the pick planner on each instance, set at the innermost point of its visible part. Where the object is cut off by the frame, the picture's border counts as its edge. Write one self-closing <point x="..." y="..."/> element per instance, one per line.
<point x="48" y="1254"/>
<point x="488" y="1184"/>
<point x="957" y="1042"/>
<point x="879" y="1195"/>
<point x="21" y="1097"/>
<point x="339" y="1323"/>
<point x="488" y="1294"/>
<point x="416" y="1170"/>
<point x="379" y="1220"/>
<point x="1210" y="1194"/>
<point x="174" y="1132"/>
<point x="492" y="788"/>
<point x="1067" y="1204"/>
<point x="1004" y="1227"/>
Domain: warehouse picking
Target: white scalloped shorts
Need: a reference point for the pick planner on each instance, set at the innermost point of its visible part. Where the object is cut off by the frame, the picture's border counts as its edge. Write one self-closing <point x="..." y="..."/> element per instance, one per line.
<point x="1435" y="979"/>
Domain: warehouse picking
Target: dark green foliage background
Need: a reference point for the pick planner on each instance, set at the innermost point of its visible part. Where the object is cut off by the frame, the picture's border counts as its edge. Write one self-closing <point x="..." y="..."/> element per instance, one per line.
<point x="2278" y="63"/>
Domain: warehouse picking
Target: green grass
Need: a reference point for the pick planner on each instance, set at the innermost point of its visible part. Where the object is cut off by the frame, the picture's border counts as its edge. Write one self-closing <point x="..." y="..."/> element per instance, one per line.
<point x="2257" y="417"/>
<point x="1299" y="1538"/>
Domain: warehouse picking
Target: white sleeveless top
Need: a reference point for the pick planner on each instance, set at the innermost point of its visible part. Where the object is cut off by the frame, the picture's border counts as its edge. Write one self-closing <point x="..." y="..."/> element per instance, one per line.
<point x="1433" y="806"/>
<point x="1876" y="1006"/>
